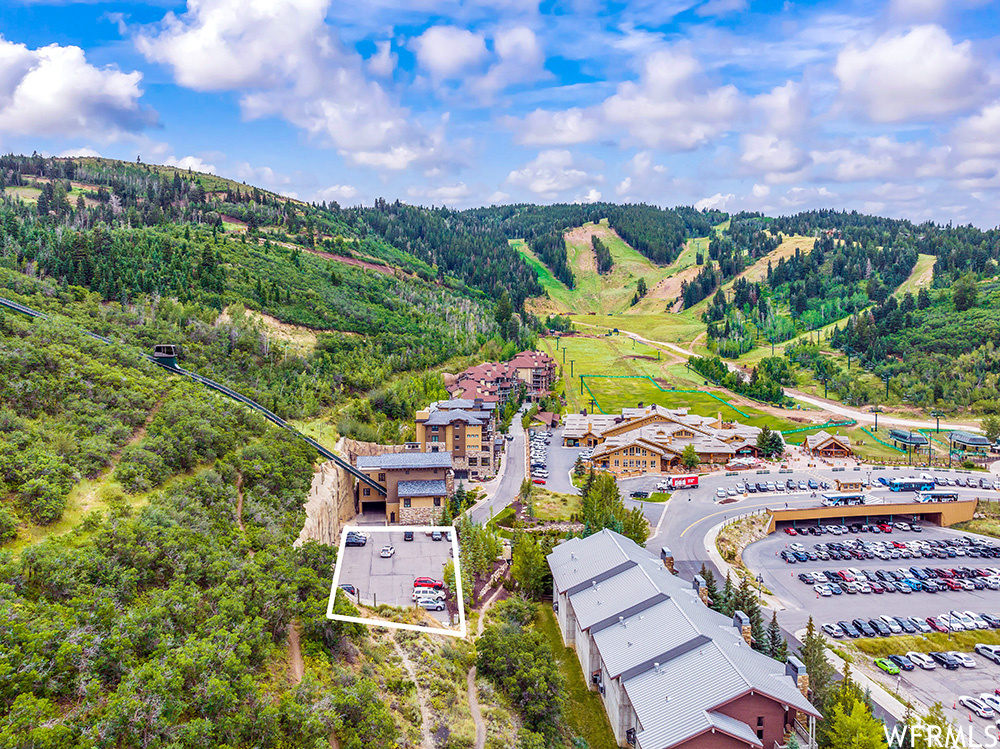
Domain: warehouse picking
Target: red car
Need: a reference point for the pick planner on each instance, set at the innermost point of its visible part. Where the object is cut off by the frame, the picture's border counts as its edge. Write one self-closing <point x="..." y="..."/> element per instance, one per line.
<point x="846" y="576"/>
<point x="428" y="582"/>
<point x="791" y="531"/>
<point x="951" y="583"/>
<point x="933" y="623"/>
<point x="539" y="481"/>
<point x="885" y="527"/>
<point x="899" y="544"/>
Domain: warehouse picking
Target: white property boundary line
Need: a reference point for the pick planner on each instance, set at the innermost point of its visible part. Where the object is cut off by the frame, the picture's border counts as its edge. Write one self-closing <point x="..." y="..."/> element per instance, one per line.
<point x="373" y="530"/>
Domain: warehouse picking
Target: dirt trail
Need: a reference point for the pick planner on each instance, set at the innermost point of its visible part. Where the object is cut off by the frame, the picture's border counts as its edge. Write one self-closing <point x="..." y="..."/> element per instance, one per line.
<point x="383" y="269"/>
<point x="296" y="669"/>
<point x="425" y="713"/>
<point x="239" y="503"/>
<point x="477" y="715"/>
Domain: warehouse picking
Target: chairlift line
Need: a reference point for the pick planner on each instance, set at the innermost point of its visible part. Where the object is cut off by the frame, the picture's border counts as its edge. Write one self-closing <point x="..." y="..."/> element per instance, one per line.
<point x="165" y="356"/>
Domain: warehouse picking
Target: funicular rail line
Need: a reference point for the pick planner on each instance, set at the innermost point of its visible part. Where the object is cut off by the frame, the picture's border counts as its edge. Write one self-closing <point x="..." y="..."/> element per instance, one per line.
<point x="228" y="392"/>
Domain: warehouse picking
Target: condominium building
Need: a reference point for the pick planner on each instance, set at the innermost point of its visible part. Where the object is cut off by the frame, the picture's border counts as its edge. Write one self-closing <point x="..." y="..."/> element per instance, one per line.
<point x="464" y="428"/>
<point x="417" y="486"/>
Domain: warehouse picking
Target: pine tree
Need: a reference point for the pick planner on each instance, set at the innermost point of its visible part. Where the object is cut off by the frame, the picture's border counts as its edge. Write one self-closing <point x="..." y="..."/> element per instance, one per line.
<point x="711" y="587"/>
<point x="813" y="656"/>
<point x="777" y="648"/>
<point x="726" y="600"/>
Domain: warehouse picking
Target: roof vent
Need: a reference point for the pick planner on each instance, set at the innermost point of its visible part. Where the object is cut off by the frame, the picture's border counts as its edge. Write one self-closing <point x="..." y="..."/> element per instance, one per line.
<point x="656" y="666"/>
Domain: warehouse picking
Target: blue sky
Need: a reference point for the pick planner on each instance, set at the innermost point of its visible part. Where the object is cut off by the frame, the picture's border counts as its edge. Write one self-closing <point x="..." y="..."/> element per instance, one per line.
<point x="890" y="108"/>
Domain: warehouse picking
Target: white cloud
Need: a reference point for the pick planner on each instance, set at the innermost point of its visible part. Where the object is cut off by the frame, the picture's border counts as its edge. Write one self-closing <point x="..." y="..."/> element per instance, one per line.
<point x="448" y="51"/>
<point x="761" y="191"/>
<point x="646" y="179"/>
<point x="521" y="60"/>
<point x="721" y="7"/>
<point x="551" y="173"/>
<point x="717" y="202"/>
<point x="914" y="75"/>
<point x="383" y="62"/>
<point x="979" y="135"/>
<point x="784" y="109"/>
<point x="592" y="196"/>
<point x="769" y="154"/>
<point x="442" y="195"/>
<point x="261" y="176"/>
<point x="82" y="151"/>
<point x="881" y="158"/>
<point x="339" y="193"/>
<point x="669" y="106"/>
<point x="190" y="162"/>
<point x="54" y="91"/>
<point x="498" y="197"/>
<point x="564" y="128"/>
<point x="287" y="63"/>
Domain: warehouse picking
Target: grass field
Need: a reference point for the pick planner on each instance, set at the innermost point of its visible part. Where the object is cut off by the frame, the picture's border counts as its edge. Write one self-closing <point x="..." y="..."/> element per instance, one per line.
<point x="883" y="647"/>
<point x="920" y="276"/>
<point x="554" y="506"/>
<point x="583" y="713"/>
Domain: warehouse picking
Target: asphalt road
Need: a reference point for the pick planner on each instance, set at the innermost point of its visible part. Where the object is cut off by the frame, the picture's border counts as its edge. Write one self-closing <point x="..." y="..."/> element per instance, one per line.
<point x="513" y="475"/>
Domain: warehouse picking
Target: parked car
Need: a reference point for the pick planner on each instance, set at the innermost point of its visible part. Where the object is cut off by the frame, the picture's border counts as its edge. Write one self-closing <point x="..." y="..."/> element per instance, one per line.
<point x="387" y="552"/>
<point x="887" y="665"/>
<point x="639" y="494"/>
<point x="966" y="660"/>
<point x="990" y="652"/>
<point x="348" y="588"/>
<point x="849" y="629"/>
<point x="922" y="660"/>
<point x="833" y="630"/>
<point x="902" y="661"/>
<point x="407" y="535"/>
<point x="430" y="604"/>
<point x="977" y="706"/>
<point x="355" y="540"/>
<point x="419" y="593"/>
<point x="428" y="582"/>
<point x="436" y="536"/>
<point x="864" y="628"/>
<point x="945" y="659"/>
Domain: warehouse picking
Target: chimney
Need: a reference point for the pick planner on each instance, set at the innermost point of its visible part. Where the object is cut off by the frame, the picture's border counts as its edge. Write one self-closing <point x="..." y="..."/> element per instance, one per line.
<point x="742" y="622"/>
<point x="668" y="558"/>
<point x="699" y="585"/>
<point x="797" y="670"/>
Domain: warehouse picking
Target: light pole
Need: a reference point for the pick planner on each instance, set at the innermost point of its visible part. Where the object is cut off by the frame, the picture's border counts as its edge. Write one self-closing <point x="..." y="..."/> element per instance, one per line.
<point x="937" y="419"/>
<point x="760" y="584"/>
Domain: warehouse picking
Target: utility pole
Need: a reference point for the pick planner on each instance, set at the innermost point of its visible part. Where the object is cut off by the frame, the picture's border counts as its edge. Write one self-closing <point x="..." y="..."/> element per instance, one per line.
<point x="876" y="417"/>
<point x="571" y="368"/>
<point x="886" y="379"/>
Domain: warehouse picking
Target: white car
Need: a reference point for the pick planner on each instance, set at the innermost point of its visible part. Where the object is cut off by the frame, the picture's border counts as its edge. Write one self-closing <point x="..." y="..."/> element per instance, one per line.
<point x="977" y="620"/>
<point x="721" y="493"/>
<point x="419" y="593"/>
<point x="823" y="590"/>
<point x="952" y="623"/>
<point x="892" y="624"/>
<point x="967" y="621"/>
<point x="387" y="551"/>
<point x="990" y="652"/>
<point x="977" y="706"/>
<point x="922" y="660"/>
<point x="796" y="547"/>
<point x="731" y="491"/>
<point x="964" y="658"/>
<point x="991" y="700"/>
<point x="430" y="604"/>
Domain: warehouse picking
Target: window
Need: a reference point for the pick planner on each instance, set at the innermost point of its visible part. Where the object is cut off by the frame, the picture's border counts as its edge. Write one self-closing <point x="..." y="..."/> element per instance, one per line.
<point x="437" y="501"/>
<point x="367" y="491"/>
<point x="406" y="502"/>
<point x="473" y="461"/>
<point x="381" y="477"/>
<point x="434" y="438"/>
<point x="760" y="727"/>
<point x="434" y="429"/>
<point x="485" y="461"/>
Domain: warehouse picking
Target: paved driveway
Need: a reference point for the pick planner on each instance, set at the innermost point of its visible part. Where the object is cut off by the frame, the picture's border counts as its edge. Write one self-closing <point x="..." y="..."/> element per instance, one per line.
<point x="390" y="581"/>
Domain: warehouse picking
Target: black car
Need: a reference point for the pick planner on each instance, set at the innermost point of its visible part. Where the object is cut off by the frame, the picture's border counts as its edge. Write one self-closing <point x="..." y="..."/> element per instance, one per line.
<point x="902" y="661"/>
<point x="355" y="540"/>
<point x="790" y="484"/>
<point x="880" y="627"/>
<point x="906" y="624"/>
<point x="639" y="494"/>
<point x="946" y="660"/>
<point x="849" y="629"/>
<point x="349" y="589"/>
<point x="864" y="628"/>
<point x="407" y="535"/>
<point x="761" y="486"/>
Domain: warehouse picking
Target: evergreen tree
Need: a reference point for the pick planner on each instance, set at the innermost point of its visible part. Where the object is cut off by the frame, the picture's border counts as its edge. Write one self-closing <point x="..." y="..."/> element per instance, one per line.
<point x="727" y="601"/>
<point x="689" y="458"/>
<point x="711" y="587"/>
<point x="504" y="315"/>
<point x="853" y="727"/>
<point x="529" y="568"/>
<point x="964" y="292"/>
<point x="923" y="298"/>
<point x="777" y="647"/>
<point x="813" y="656"/>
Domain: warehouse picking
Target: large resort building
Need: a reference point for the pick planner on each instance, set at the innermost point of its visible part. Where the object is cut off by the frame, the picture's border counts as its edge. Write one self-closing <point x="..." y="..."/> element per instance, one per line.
<point x="499" y="382"/>
<point x="652" y="439"/>
<point x="464" y="428"/>
<point x="670" y="671"/>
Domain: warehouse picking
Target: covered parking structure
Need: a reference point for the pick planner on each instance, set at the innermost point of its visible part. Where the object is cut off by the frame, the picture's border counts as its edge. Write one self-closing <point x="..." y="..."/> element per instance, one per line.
<point x="969" y="442"/>
<point x="938" y="513"/>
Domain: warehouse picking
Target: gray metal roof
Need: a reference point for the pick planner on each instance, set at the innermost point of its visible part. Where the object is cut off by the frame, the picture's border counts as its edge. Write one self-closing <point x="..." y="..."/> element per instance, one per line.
<point x="399" y="461"/>
<point x="465" y="403"/>
<point x="438" y="418"/>
<point x="676" y="658"/>
<point x="969" y="438"/>
<point x="430" y="488"/>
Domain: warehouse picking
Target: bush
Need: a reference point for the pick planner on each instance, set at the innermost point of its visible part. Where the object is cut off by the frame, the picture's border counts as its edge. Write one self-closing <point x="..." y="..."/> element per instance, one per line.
<point x="8" y="525"/>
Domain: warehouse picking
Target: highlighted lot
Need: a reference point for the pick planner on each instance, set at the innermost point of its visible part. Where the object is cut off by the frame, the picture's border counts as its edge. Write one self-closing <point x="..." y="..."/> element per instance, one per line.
<point x="383" y="572"/>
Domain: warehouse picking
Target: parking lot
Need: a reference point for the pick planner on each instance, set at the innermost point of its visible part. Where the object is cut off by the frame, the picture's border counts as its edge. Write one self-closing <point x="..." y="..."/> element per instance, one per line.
<point x="390" y="581"/>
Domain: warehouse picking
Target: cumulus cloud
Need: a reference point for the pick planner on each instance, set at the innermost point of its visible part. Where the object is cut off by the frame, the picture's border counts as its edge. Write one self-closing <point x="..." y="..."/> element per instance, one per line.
<point x="448" y="51"/>
<point x="53" y="90"/>
<point x="784" y="109"/>
<point x="914" y="75"/>
<point x="721" y="7"/>
<point x="443" y="195"/>
<point x="551" y="173"/>
<point x="339" y="193"/>
<point x="881" y="158"/>
<point x="287" y="63"/>
<point x="979" y="135"/>
<point x="83" y="151"/>
<point x="383" y="62"/>
<point x="521" y="59"/>
<point x="645" y="178"/>
<point x="670" y="106"/>
<point x="263" y="176"/>
<point x="193" y="163"/>
<point x="715" y="202"/>
<point x="761" y="191"/>
<point x="771" y="155"/>
<point x="567" y="127"/>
